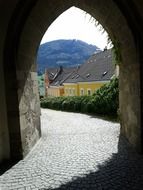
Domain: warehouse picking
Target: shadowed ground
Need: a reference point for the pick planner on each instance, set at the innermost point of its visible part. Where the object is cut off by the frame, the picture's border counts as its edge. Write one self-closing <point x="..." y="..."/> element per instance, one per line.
<point x="77" y="152"/>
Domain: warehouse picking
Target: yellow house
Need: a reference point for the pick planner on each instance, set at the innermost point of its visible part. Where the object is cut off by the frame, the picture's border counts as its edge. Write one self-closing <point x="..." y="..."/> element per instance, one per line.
<point x="55" y="91"/>
<point x="94" y="73"/>
<point x="83" y="80"/>
<point x="71" y="89"/>
<point x="54" y="78"/>
<point x="88" y="88"/>
<point x="82" y="88"/>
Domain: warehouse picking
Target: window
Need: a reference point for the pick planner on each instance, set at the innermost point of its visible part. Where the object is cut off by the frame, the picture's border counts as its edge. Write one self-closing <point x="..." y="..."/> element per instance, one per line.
<point x="77" y="76"/>
<point x="104" y="73"/>
<point x="88" y="75"/>
<point x="66" y="90"/>
<point x="81" y="91"/>
<point x="88" y="92"/>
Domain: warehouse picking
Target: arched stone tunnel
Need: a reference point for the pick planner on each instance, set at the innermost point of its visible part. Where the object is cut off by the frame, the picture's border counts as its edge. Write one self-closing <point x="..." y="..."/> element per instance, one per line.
<point x="23" y="24"/>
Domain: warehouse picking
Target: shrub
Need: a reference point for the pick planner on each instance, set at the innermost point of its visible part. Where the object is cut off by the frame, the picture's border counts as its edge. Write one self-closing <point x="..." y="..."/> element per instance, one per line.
<point x="107" y="98"/>
<point x="105" y="101"/>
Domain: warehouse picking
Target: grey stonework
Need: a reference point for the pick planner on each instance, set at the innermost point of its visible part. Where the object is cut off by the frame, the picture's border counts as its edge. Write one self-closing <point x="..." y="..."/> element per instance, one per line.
<point x="130" y="104"/>
<point x="29" y="107"/>
<point x="77" y="152"/>
<point x="23" y="24"/>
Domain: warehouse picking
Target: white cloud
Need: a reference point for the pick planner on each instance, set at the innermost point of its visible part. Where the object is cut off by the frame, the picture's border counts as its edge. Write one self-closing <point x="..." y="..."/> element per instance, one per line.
<point x="75" y="24"/>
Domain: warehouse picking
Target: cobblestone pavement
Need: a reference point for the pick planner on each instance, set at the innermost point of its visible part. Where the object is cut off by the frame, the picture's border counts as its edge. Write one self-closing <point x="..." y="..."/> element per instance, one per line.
<point x="77" y="152"/>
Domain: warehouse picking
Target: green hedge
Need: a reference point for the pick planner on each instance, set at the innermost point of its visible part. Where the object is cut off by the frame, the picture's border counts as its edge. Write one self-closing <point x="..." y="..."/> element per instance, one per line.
<point x="105" y="101"/>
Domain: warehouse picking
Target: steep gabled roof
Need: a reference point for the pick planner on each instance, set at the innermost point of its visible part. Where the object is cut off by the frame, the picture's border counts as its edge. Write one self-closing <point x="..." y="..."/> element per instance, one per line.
<point x="51" y="73"/>
<point x="62" y="75"/>
<point x="99" y="67"/>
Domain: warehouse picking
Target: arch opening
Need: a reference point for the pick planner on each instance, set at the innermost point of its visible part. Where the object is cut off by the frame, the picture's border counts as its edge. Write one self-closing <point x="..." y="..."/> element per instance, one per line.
<point x="22" y="41"/>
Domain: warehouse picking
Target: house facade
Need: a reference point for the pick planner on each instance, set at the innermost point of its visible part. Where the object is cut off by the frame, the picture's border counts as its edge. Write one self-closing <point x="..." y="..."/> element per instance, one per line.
<point x="94" y="73"/>
<point x="54" y="79"/>
<point x="71" y="89"/>
<point x="82" y="88"/>
<point x="83" y="80"/>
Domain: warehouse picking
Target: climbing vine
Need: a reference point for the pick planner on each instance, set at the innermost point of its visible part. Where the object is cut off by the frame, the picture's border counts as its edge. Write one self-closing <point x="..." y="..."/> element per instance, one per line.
<point x="114" y="43"/>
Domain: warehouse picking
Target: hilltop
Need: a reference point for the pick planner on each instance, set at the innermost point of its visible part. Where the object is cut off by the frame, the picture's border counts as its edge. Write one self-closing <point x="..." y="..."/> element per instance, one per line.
<point x="67" y="53"/>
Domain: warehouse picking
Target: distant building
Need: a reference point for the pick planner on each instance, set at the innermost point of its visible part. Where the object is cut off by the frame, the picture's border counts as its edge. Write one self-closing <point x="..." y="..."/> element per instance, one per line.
<point x="83" y="80"/>
<point x="54" y="79"/>
<point x="95" y="72"/>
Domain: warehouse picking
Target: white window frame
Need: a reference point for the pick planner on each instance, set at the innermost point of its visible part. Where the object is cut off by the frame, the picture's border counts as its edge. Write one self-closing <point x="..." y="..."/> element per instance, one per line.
<point x="89" y="90"/>
<point x="82" y="91"/>
<point x="70" y="91"/>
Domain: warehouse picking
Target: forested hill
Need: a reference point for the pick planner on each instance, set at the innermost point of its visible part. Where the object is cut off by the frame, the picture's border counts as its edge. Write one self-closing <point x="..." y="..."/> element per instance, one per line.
<point x="67" y="53"/>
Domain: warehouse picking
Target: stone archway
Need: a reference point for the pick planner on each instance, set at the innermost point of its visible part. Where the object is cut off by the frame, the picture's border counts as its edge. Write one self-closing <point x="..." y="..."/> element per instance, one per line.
<point x="24" y="27"/>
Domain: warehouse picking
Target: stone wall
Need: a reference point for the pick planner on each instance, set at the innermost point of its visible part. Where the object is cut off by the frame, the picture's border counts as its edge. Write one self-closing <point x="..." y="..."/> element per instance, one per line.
<point x="23" y="24"/>
<point x="4" y="134"/>
<point x="5" y="16"/>
<point x="19" y="98"/>
<point x="117" y="25"/>
<point x="129" y="96"/>
<point x="29" y="108"/>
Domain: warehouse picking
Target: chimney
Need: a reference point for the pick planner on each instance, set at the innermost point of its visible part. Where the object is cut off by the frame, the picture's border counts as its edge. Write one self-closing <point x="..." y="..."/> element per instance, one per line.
<point x="78" y="66"/>
<point x="61" y="69"/>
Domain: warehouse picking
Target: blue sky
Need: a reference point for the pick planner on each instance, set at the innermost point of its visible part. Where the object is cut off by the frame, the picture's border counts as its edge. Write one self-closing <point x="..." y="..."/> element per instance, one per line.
<point x="76" y="24"/>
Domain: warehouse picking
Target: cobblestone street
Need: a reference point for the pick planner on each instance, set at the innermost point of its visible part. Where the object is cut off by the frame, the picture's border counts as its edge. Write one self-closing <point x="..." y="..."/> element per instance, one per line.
<point x="77" y="152"/>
